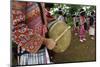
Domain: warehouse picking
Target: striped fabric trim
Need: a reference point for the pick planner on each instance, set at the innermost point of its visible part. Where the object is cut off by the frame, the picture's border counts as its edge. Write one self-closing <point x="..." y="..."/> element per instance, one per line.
<point x="41" y="57"/>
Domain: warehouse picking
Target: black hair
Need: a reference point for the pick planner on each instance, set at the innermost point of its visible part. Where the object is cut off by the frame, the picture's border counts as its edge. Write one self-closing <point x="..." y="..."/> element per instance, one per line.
<point x="77" y="16"/>
<point x="92" y="13"/>
<point x="73" y="15"/>
<point x="59" y="8"/>
<point x="49" y="5"/>
<point x="82" y="13"/>
<point x="81" y="10"/>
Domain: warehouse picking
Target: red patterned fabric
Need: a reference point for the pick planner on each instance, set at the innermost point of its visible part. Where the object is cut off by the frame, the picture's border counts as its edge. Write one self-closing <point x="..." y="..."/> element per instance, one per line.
<point x="27" y="27"/>
<point x="82" y="31"/>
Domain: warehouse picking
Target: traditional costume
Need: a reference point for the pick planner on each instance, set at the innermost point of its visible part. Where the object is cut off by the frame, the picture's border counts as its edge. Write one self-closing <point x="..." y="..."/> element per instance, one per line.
<point x="82" y="31"/>
<point x="92" y="25"/>
<point x="28" y="32"/>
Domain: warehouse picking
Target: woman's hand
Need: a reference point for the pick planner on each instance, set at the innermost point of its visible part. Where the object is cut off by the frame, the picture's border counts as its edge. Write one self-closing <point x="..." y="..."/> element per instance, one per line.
<point x="50" y="43"/>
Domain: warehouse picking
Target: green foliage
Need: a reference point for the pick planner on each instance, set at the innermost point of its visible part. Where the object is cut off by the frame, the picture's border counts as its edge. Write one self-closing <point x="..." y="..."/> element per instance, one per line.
<point x="70" y="9"/>
<point x="70" y="21"/>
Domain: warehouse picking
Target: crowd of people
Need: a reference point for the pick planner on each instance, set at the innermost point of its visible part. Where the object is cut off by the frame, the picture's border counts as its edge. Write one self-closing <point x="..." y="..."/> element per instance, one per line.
<point x="83" y="24"/>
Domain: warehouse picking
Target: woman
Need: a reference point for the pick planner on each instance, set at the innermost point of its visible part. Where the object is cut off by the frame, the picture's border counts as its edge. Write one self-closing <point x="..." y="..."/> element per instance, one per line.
<point x="60" y="17"/>
<point x="82" y="31"/>
<point x="28" y="32"/>
<point x="76" y="24"/>
<point x="92" y="26"/>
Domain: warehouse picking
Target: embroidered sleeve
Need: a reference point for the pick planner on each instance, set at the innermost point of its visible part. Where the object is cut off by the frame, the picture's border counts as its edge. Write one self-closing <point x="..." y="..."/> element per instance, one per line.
<point x="24" y="36"/>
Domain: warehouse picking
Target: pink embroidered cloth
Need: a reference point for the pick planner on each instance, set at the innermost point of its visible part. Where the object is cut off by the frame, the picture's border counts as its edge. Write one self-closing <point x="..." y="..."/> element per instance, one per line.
<point x="27" y="26"/>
